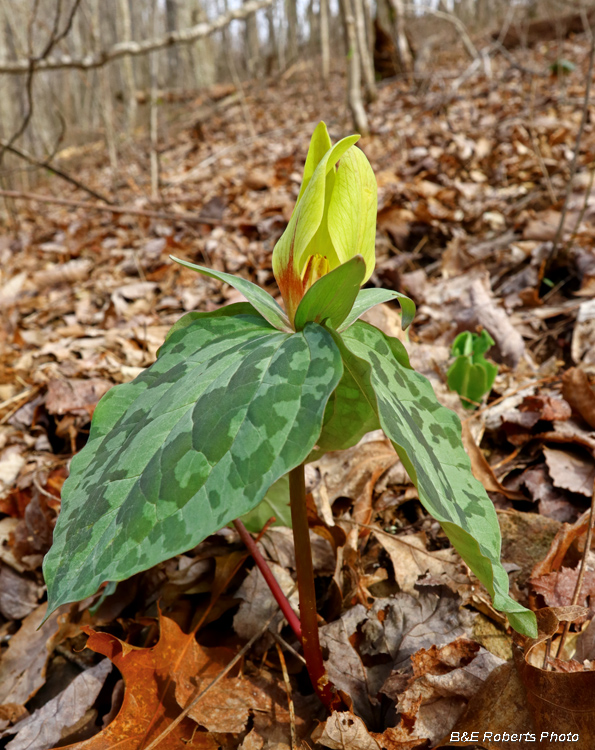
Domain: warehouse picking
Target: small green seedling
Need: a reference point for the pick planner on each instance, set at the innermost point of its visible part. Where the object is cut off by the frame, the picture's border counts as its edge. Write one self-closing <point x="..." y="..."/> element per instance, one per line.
<point x="471" y="375"/>
<point x="561" y="67"/>
<point x="242" y="396"/>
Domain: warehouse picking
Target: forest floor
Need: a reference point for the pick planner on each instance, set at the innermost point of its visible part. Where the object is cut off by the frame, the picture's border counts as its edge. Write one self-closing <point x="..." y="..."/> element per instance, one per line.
<point x="474" y="173"/>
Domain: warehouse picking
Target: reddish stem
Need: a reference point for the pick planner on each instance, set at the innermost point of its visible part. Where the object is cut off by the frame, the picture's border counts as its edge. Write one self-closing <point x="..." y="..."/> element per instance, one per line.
<point x="268" y="576"/>
<point x="305" y="578"/>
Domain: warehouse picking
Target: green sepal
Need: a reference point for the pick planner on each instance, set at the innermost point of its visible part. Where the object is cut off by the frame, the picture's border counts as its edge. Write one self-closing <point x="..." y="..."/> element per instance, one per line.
<point x="427" y="438"/>
<point x="196" y="440"/>
<point x="369" y="298"/>
<point x="263" y="302"/>
<point x="332" y="296"/>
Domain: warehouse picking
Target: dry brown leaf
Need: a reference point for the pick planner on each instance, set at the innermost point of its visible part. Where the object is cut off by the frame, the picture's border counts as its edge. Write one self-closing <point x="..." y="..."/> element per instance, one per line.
<point x="444" y="679"/>
<point x="577" y="390"/>
<point x="498" y="710"/>
<point x="19" y="595"/>
<point x="557" y="588"/>
<point x="571" y="471"/>
<point x="344" y="731"/>
<point x="411" y="558"/>
<point x="57" y="718"/>
<point x="23" y="664"/>
<point x="70" y="272"/>
<point x="481" y="469"/>
<point x="75" y="396"/>
<point x="559" y="546"/>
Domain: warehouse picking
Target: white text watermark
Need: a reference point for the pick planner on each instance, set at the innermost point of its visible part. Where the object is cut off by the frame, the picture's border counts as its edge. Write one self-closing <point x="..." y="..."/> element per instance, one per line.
<point x="512" y="737"/>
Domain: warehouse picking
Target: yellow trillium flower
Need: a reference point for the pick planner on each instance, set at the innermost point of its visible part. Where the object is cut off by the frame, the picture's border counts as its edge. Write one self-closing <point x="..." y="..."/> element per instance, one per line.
<point x="334" y="218"/>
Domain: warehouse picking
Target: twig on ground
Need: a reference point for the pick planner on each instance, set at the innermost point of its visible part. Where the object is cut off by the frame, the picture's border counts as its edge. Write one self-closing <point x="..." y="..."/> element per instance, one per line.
<point x="193" y="218"/>
<point x="581" y="573"/>
<point x="289" y="698"/>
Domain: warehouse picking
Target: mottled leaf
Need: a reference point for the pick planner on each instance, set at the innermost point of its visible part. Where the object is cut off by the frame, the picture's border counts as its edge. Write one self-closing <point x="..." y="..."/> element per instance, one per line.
<point x="351" y="410"/>
<point x="332" y="296"/>
<point x="368" y="298"/>
<point x="427" y="437"/>
<point x="263" y="302"/>
<point x="195" y="441"/>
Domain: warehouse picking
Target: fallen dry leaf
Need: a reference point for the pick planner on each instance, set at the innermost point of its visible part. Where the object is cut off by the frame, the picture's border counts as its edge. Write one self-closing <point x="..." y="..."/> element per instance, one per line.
<point x="344" y="731"/>
<point x="498" y="710"/>
<point x="19" y="595"/>
<point x="571" y="471"/>
<point x="23" y="664"/>
<point x="56" y="719"/>
<point x="481" y="469"/>
<point x="149" y="704"/>
<point x="557" y="588"/>
<point x="444" y="679"/>
<point x="393" y="630"/>
<point x="411" y="558"/>
<point x="577" y="390"/>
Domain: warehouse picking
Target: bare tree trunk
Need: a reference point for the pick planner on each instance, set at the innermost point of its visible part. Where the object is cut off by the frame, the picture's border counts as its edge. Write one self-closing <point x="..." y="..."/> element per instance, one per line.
<point x="107" y="110"/>
<point x="153" y="112"/>
<point x="354" y="91"/>
<point x="281" y="56"/>
<point x="128" y="68"/>
<point x="366" y="62"/>
<point x="324" y="40"/>
<point x="203" y="53"/>
<point x="272" y="39"/>
<point x="401" y="41"/>
<point x="252" y="47"/>
<point x="292" y="31"/>
<point x="173" y="58"/>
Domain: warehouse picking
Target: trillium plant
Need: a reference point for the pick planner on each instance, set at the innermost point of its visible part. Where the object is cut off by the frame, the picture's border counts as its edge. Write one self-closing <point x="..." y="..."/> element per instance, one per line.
<point x="242" y="396"/>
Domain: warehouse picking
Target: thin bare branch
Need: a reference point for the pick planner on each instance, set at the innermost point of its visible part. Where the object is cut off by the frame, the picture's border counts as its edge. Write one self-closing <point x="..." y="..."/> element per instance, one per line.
<point x="122" y="49"/>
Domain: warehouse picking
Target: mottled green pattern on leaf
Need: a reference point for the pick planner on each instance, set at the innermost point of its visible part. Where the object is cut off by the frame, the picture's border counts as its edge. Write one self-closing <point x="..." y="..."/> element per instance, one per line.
<point x="263" y="302"/>
<point x="351" y="410"/>
<point x="369" y="298"/>
<point x="332" y="296"/>
<point x="195" y="441"/>
<point x="237" y="308"/>
<point x="427" y="437"/>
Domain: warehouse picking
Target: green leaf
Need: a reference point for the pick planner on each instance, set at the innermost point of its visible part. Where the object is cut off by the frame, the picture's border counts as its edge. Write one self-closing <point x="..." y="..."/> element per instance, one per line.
<point x="369" y="298"/>
<point x="471" y="375"/>
<point x="263" y="302"/>
<point x="352" y="210"/>
<point x="274" y="503"/>
<point x="237" y="308"/>
<point x="351" y="410"/>
<point x="229" y="407"/>
<point x="332" y="296"/>
<point x="427" y="437"/>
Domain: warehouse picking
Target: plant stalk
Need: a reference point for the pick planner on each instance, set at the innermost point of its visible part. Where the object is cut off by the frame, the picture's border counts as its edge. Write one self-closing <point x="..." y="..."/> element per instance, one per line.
<point x="305" y="580"/>
<point x="268" y="576"/>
